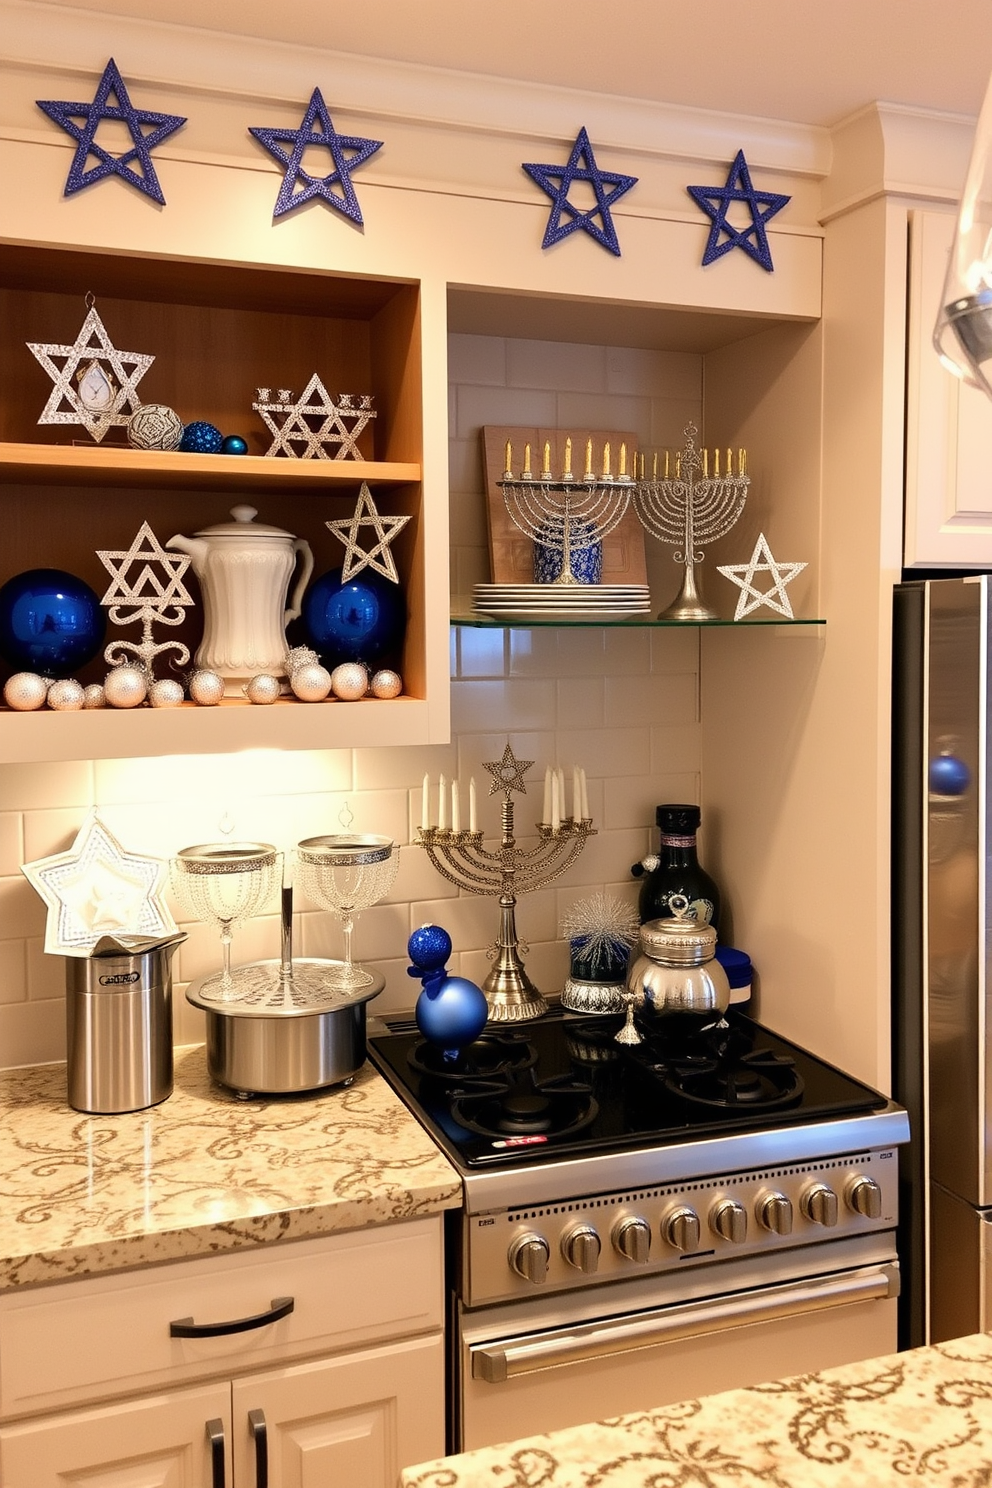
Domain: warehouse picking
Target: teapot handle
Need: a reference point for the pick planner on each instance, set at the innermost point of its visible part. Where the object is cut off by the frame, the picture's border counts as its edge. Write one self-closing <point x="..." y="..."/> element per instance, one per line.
<point x="296" y="599"/>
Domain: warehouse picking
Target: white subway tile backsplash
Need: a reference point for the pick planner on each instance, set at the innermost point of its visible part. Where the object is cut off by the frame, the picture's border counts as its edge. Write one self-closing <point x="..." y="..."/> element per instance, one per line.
<point x="664" y="374"/>
<point x="611" y="751"/>
<point x="533" y="653"/>
<point x="580" y="702"/>
<point x="602" y="411"/>
<point x="520" y="703"/>
<point x="517" y="407"/>
<point x="13" y="972"/>
<point x="481" y="653"/>
<point x="652" y="700"/>
<point x="33" y="787"/>
<point x="32" y="1033"/>
<point x="477" y="359"/>
<point x="45" y="973"/>
<point x="12" y="853"/>
<point x="554" y="366"/>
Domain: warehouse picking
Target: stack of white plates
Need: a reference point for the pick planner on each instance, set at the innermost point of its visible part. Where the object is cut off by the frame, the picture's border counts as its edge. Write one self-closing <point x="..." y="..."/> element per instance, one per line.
<point x="561" y="601"/>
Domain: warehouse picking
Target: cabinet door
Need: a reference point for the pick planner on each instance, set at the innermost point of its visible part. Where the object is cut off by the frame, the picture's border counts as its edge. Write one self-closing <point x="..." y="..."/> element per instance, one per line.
<point x="159" y="1442"/>
<point x="948" y="426"/>
<point x="356" y="1419"/>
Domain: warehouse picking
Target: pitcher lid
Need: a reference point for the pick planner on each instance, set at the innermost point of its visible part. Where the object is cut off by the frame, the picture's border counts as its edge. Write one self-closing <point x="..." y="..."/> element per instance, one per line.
<point x="680" y="940"/>
<point x="244" y="524"/>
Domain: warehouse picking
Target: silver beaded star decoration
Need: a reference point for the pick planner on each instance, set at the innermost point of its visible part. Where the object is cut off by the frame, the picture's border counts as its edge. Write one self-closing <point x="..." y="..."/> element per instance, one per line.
<point x="742" y="574"/>
<point x="386" y="528"/>
<point x="95" y="383"/>
<point x="314" y="420"/>
<point x="149" y="597"/>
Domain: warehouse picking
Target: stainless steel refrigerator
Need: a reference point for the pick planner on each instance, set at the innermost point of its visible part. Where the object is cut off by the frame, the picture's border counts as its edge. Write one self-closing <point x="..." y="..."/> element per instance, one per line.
<point x="942" y="913"/>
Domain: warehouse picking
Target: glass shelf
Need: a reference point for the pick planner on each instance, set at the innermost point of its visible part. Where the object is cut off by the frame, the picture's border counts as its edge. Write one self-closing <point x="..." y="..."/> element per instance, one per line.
<point x="487" y="622"/>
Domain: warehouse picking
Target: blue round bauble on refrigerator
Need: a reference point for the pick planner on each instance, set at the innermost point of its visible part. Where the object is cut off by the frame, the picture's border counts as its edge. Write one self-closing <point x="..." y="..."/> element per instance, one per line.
<point x="359" y="619"/>
<point x="451" y="1011"/>
<point x="51" y="622"/>
<point x="948" y="775"/>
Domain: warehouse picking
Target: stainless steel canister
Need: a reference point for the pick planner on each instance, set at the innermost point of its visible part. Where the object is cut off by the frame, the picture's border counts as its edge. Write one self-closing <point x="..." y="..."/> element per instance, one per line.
<point x="119" y="1029"/>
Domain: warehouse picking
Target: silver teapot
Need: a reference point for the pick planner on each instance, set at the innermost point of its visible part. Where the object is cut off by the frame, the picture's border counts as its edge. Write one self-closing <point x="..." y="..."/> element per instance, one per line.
<point x="677" y="970"/>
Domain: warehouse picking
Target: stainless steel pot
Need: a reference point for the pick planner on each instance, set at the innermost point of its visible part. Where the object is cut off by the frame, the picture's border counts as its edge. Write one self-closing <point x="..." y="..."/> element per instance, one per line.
<point x="677" y="972"/>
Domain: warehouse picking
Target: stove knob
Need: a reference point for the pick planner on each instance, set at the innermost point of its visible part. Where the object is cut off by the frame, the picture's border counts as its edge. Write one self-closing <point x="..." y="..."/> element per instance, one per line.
<point x="681" y="1228"/>
<point x="632" y="1239"/>
<point x="529" y="1256"/>
<point x="865" y="1197"/>
<point x="819" y="1204"/>
<point x="580" y="1246"/>
<point x="774" y="1211"/>
<point x="729" y="1219"/>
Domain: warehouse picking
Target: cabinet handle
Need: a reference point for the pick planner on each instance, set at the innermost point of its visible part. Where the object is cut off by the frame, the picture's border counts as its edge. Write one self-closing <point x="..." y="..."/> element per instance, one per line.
<point x="215" y="1436"/>
<point x="186" y="1328"/>
<point x="256" y="1425"/>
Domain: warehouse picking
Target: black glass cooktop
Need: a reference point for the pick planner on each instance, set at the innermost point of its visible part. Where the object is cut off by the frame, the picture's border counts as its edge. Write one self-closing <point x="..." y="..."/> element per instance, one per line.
<point x="562" y="1085"/>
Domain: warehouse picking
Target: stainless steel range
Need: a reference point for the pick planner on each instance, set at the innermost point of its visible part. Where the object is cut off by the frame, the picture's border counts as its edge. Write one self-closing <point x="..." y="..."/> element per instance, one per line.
<point x="709" y="1208"/>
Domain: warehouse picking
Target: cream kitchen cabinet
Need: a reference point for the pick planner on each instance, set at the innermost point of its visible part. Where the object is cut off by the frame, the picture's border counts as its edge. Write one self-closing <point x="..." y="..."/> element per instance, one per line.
<point x="948" y="426"/>
<point x="348" y="1386"/>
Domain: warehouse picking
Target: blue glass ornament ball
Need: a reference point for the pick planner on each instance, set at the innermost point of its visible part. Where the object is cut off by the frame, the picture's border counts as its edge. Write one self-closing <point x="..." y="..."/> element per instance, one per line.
<point x="233" y="444"/>
<point x="429" y="947"/>
<point x="948" y="775"/>
<point x="354" y="621"/>
<point x="201" y="438"/>
<point x="451" y="1012"/>
<point x="50" y="622"/>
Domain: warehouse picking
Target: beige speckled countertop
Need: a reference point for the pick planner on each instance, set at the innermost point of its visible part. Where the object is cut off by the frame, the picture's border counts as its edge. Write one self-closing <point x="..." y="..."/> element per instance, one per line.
<point x="922" y="1417"/>
<point x="200" y="1173"/>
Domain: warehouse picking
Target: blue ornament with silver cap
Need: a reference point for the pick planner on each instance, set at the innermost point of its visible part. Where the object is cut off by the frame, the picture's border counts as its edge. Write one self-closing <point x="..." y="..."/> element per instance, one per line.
<point x="451" y="1011"/>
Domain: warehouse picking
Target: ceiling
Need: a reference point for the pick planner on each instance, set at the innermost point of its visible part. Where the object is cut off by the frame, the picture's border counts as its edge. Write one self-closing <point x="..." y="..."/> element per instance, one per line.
<point x="807" y="61"/>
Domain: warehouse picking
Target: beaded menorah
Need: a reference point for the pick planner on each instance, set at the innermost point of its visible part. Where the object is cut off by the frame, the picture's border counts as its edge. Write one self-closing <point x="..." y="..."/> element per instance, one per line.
<point x="567" y="513"/>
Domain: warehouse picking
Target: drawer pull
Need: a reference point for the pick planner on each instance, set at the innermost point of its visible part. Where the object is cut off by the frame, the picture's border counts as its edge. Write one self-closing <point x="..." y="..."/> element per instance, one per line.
<point x="215" y="1436"/>
<point x="186" y="1328"/>
<point x="256" y="1425"/>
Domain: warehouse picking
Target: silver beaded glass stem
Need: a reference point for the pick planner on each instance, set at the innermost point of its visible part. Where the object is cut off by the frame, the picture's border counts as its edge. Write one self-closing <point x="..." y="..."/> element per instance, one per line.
<point x="505" y="873"/>
<point x="691" y="507"/>
<point x="224" y="883"/>
<point x="566" y="512"/>
<point x="346" y="873"/>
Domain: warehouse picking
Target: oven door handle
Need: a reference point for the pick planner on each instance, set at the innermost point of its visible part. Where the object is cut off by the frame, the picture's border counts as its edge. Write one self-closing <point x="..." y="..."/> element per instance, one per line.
<point x="498" y="1362"/>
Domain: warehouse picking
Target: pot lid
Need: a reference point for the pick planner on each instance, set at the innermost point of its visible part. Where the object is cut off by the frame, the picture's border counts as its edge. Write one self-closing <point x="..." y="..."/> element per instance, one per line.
<point x="244" y="524"/>
<point x="681" y="940"/>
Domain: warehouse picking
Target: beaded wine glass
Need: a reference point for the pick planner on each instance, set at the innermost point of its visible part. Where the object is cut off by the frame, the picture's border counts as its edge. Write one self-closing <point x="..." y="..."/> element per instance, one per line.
<point x="225" y="883"/>
<point x="346" y="873"/>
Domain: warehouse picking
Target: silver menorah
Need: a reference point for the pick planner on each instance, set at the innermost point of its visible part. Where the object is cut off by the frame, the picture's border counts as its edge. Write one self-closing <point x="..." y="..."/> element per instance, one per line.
<point x="567" y="513"/>
<point x="691" y="507"/>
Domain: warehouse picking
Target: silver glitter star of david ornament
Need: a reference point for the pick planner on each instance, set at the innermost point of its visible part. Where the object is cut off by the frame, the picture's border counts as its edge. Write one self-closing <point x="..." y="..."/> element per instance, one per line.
<point x="762" y="562"/>
<point x="148" y="597"/>
<point x="95" y="383"/>
<point x="378" y="557"/>
<point x="304" y="426"/>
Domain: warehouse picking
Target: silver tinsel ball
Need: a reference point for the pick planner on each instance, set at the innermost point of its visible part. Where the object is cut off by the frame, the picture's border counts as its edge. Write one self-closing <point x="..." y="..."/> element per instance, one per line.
<point x="94" y="696"/>
<point x="25" y="691"/>
<point x="262" y="689"/>
<point x="125" y="687"/>
<point x="154" y="426"/>
<point x="167" y="693"/>
<point x="387" y="684"/>
<point x="349" y="681"/>
<point x="300" y="656"/>
<point x="206" y="688"/>
<point x="65" y="696"/>
<point x="310" y="683"/>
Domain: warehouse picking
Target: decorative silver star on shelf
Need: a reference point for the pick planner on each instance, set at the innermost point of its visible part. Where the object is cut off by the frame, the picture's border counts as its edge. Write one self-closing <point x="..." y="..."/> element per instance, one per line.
<point x="508" y="773"/>
<point x="314" y="420"/>
<point x="109" y="398"/>
<point x="99" y="888"/>
<point x="742" y="574"/>
<point x="385" y="528"/>
<point x="149" y="598"/>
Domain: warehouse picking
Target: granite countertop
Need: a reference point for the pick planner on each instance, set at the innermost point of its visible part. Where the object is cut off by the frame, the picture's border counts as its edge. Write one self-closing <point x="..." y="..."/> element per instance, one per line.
<point x="201" y="1173"/>
<point x="922" y="1417"/>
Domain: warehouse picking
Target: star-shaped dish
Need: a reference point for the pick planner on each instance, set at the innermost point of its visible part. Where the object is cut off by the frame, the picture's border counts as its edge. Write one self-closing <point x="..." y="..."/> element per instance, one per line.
<point x="716" y="202"/>
<point x="508" y="773"/>
<point x="581" y="167"/>
<point x="348" y="152"/>
<point x="385" y="528"/>
<point x="742" y="574"/>
<point x="91" y="345"/>
<point x="122" y="111"/>
<point x="313" y="420"/>
<point x="98" y="888"/>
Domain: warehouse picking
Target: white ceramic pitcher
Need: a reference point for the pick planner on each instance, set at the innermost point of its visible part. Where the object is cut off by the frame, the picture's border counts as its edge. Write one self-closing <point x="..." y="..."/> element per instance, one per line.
<point x="244" y="569"/>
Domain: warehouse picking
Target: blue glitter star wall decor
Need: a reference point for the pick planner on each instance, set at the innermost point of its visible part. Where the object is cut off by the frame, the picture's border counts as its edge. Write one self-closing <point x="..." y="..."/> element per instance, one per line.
<point x="146" y="128"/>
<point x="556" y="181"/>
<point x="347" y="151"/>
<point x="716" y="202"/>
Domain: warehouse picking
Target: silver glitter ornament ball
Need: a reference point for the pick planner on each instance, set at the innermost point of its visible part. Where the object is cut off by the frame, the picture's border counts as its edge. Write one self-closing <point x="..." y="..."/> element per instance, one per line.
<point x="25" y="691"/>
<point x="262" y="689"/>
<point x="165" y="694"/>
<point x="125" y="687"/>
<point x="311" y="683"/>
<point x="65" y="696"/>
<point x="94" y="696"/>
<point x="387" y="684"/>
<point x="300" y="656"/>
<point x="154" y="426"/>
<point x="349" y="681"/>
<point x="206" y="688"/>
